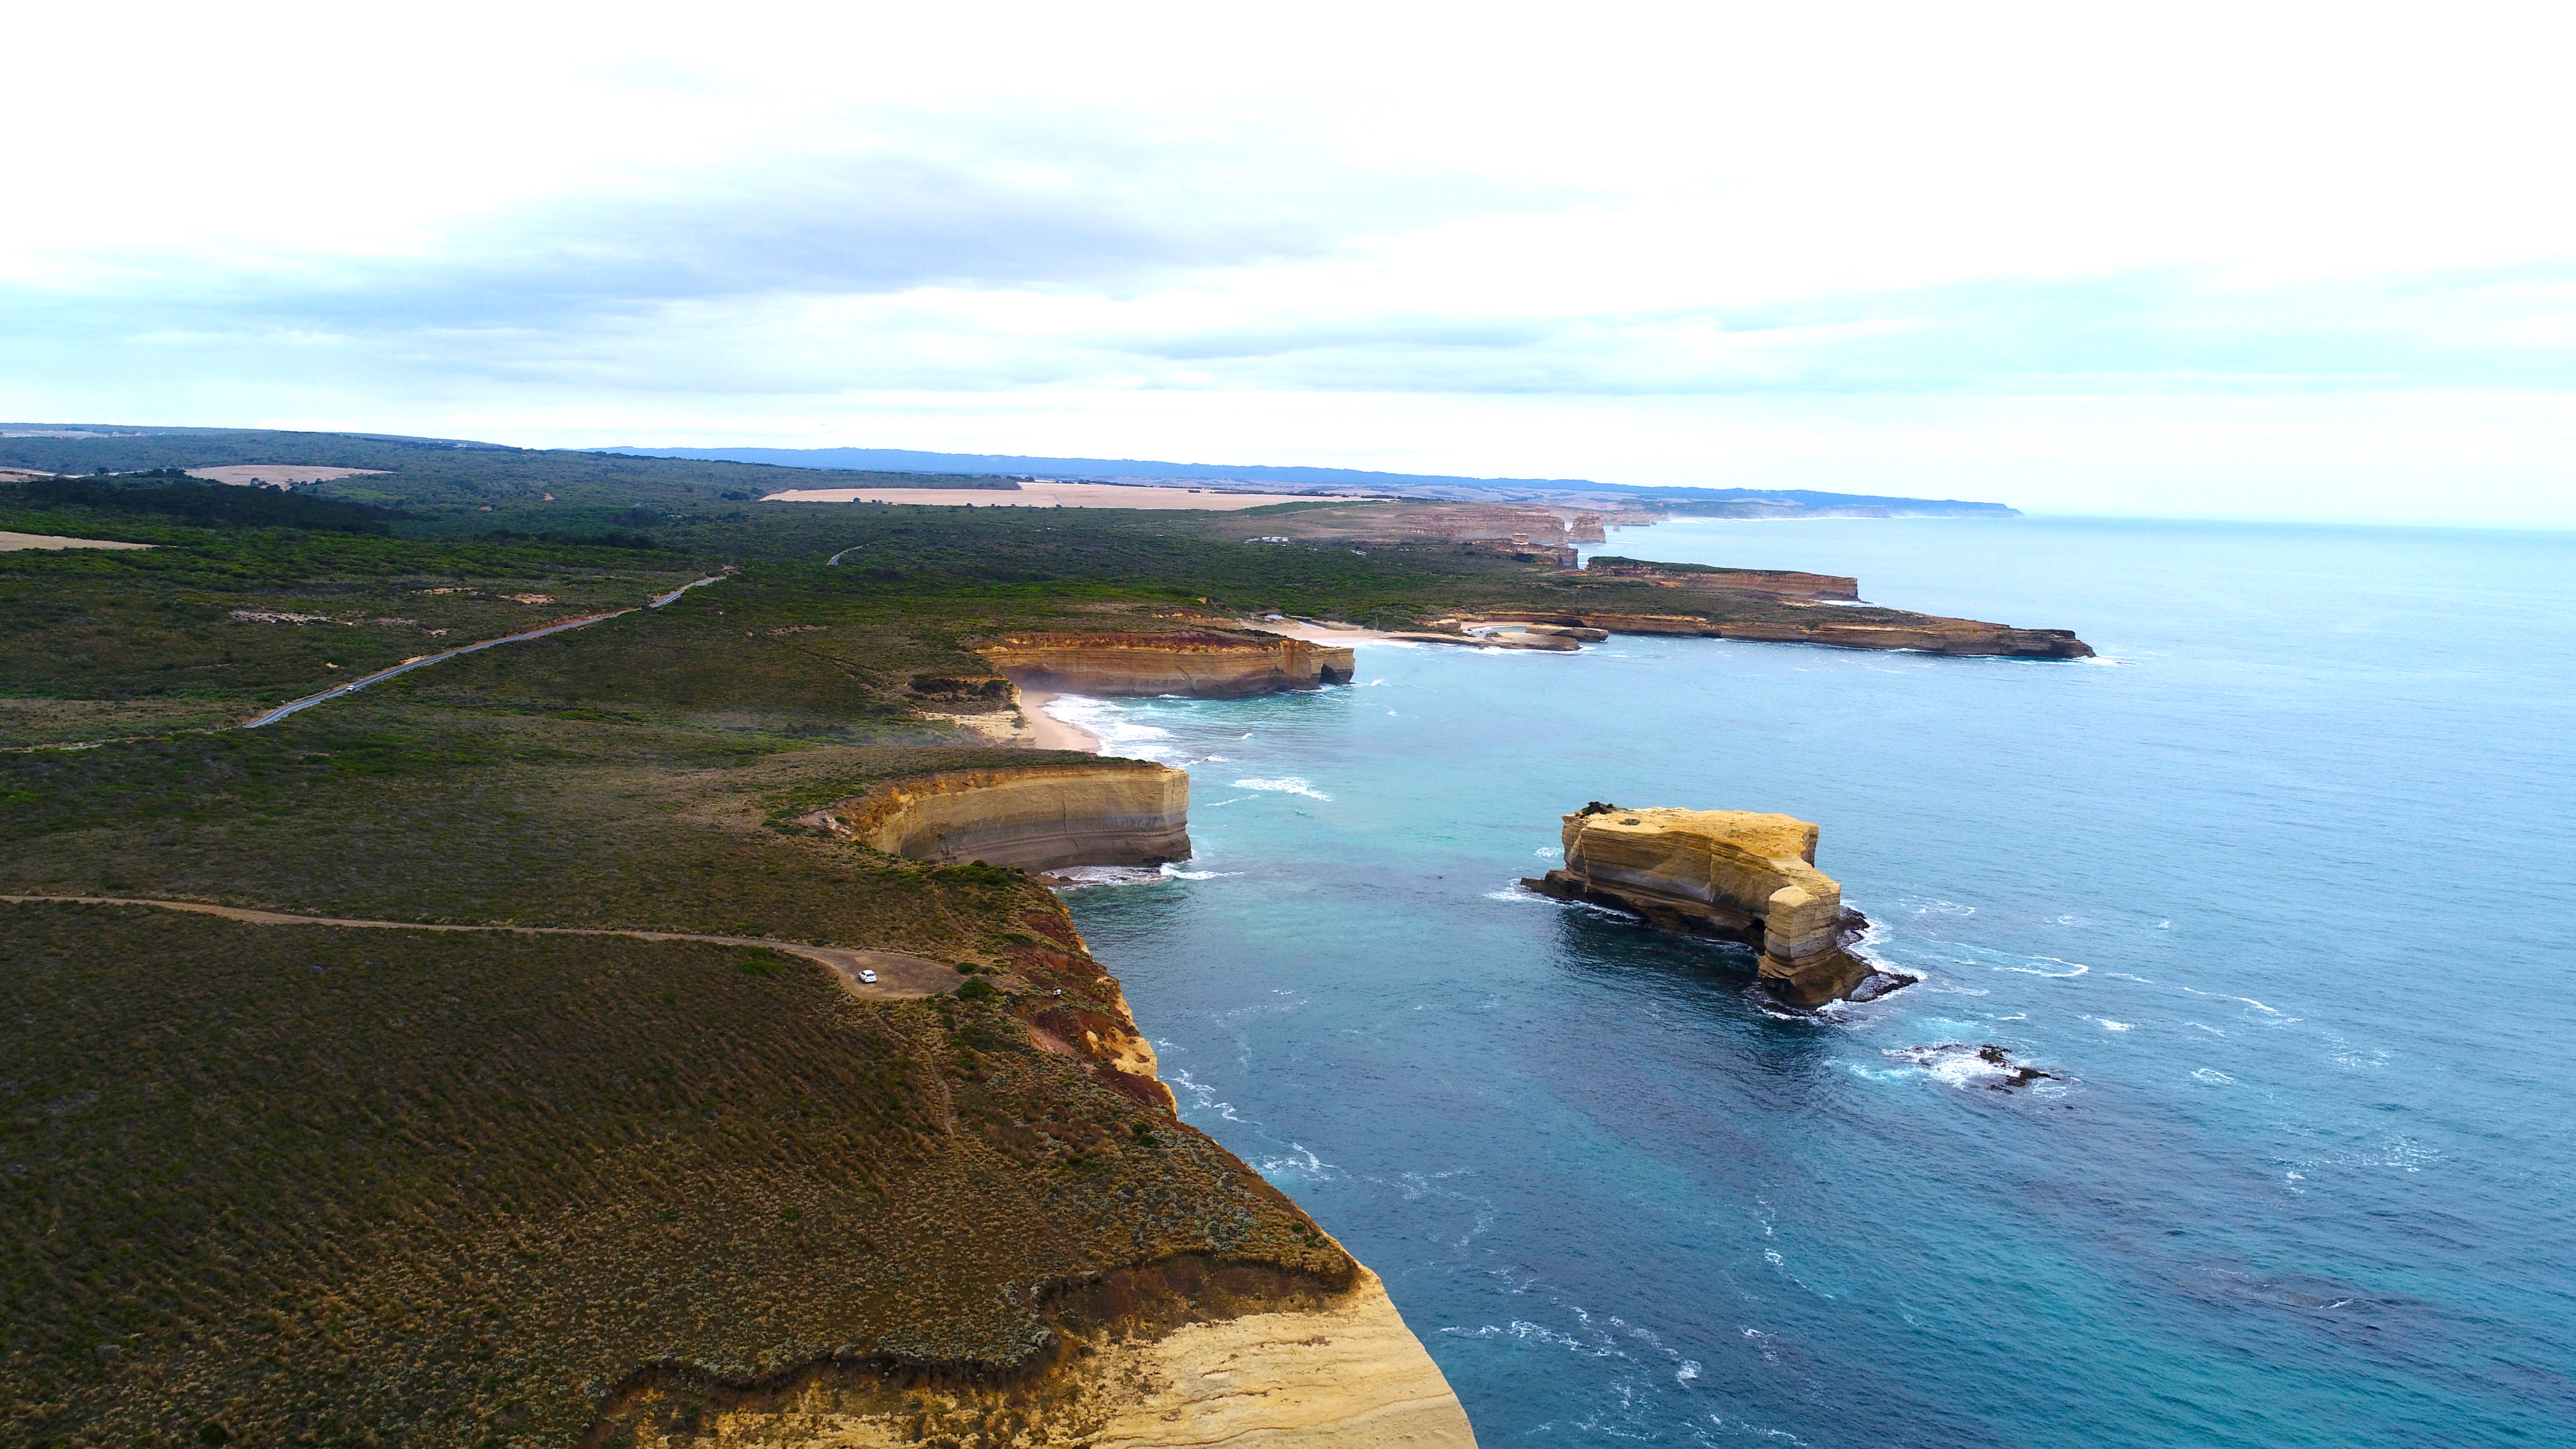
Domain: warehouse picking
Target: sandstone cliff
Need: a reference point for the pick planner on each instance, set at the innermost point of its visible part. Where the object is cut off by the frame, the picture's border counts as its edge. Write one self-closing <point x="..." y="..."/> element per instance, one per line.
<point x="1106" y="812"/>
<point x="1301" y="1349"/>
<point x="1261" y="1360"/>
<point x="1200" y="663"/>
<point x="1732" y="874"/>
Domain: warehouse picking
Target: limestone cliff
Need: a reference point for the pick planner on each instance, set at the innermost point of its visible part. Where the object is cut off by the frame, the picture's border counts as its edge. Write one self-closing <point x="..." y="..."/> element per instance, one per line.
<point x="1200" y="663"/>
<point x="1103" y="812"/>
<point x="1734" y="874"/>
<point x="1297" y="1349"/>
<point x="1273" y="1362"/>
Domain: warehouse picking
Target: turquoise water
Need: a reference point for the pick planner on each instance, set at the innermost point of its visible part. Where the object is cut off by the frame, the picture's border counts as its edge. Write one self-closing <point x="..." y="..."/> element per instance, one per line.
<point x="2280" y="891"/>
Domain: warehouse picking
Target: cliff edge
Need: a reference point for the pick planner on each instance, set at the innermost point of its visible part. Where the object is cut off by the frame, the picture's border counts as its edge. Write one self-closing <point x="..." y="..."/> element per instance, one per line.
<point x="1199" y="663"/>
<point x="1038" y="817"/>
<point x="1733" y="874"/>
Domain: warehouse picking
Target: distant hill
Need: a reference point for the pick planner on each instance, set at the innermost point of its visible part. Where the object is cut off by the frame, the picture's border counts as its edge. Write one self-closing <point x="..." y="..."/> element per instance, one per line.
<point x="415" y="472"/>
<point x="1269" y="477"/>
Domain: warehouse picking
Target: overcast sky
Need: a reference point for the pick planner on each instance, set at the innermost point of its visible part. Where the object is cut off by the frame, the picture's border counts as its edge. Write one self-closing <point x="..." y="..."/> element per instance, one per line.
<point x="2230" y="260"/>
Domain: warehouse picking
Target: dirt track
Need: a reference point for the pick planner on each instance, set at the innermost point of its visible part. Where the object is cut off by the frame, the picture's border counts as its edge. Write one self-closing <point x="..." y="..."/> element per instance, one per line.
<point x="899" y="977"/>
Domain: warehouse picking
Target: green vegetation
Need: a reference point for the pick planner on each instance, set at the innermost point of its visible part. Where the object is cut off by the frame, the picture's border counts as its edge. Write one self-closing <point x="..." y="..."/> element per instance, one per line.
<point x="208" y="627"/>
<point x="171" y="494"/>
<point x="280" y="1184"/>
<point x="337" y="1186"/>
<point x="453" y="475"/>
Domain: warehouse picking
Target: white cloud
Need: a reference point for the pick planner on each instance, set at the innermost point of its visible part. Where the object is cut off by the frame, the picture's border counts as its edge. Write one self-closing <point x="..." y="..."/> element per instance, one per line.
<point x="1463" y="239"/>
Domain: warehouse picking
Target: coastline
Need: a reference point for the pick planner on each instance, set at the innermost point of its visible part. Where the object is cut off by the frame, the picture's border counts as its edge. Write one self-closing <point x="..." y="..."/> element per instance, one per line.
<point x="1318" y="634"/>
<point x="1047" y="732"/>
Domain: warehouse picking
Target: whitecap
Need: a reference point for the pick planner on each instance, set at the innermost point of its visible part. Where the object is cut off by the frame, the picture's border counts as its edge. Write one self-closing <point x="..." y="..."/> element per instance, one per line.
<point x="1080" y="877"/>
<point x="2108" y="1024"/>
<point x="1285" y="785"/>
<point x="1301" y="1161"/>
<point x="2052" y="975"/>
<point x="1171" y="871"/>
<point x="1114" y="725"/>
<point x="2211" y="1075"/>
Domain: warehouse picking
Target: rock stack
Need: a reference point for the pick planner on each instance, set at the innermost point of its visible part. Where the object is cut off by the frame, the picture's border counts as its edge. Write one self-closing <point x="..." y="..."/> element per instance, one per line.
<point x="1732" y="874"/>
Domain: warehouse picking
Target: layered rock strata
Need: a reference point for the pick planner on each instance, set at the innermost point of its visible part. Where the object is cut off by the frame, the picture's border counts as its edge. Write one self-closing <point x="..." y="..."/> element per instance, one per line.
<point x="1733" y="874"/>
<point x="1038" y="817"/>
<point x="1200" y="663"/>
<point x="1325" y="1366"/>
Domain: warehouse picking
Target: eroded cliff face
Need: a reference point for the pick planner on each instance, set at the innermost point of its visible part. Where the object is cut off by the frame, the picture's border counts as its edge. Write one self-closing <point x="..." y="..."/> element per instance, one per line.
<point x="1201" y="664"/>
<point x="1281" y="1340"/>
<point x="1197" y="1354"/>
<point x="1733" y="874"/>
<point x="1105" y="812"/>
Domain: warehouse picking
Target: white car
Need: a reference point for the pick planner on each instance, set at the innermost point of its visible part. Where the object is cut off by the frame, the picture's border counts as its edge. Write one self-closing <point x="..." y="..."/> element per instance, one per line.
<point x="869" y="977"/>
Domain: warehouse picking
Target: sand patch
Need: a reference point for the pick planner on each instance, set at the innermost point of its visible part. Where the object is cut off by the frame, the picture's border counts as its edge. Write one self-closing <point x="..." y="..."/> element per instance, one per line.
<point x="247" y="474"/>
<point x="1046" y="495"/>
<point x="1333" y="633"/>
<point x="49" y="540"/>
<point x="1050" y="733"/>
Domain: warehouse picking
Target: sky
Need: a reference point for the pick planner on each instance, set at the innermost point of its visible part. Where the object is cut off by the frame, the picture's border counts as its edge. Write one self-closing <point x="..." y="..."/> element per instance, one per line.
<point x="2234" y="260"/>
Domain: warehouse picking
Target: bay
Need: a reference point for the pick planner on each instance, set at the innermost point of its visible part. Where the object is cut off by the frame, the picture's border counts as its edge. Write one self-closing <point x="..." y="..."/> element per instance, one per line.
<point x="2278" y="889"/>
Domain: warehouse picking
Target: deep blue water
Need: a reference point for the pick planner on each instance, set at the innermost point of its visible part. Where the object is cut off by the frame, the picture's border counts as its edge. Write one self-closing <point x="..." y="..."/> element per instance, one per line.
<point x="2281" y="892"/>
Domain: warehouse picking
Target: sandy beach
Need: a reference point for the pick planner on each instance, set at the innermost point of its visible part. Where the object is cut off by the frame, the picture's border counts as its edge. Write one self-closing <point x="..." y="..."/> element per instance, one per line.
<point x="1046" y="732"/>
<point x="1317" y="633"/>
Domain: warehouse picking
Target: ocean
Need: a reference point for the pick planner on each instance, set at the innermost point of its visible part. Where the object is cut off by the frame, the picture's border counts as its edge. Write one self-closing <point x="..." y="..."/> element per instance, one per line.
<point x="2278" y="891"/>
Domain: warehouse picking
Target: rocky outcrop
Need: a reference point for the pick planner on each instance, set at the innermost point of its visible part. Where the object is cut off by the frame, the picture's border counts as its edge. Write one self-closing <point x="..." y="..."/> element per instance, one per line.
<point x="1930" y="633"/>
<point x="1199" y="663"/>
<point x="1785" y="583"/>
<point x="1105" y="812"/>
<point x="1926" y="632"/>
<point x="1348" y="1375"/>
<point x="1330" y="1368"/>
<point x="1732" y="874"/>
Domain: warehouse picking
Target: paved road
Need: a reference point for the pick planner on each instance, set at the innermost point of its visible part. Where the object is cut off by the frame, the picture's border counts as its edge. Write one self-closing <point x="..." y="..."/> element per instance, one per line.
<point x="899" y="977"/>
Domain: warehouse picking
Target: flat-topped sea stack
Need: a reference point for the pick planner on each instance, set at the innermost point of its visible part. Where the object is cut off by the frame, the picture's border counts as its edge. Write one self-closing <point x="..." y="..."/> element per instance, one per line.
<point x="1198" y="663"/>
<point x="1038" y="817"/>
<point x="1732" y="874"/>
